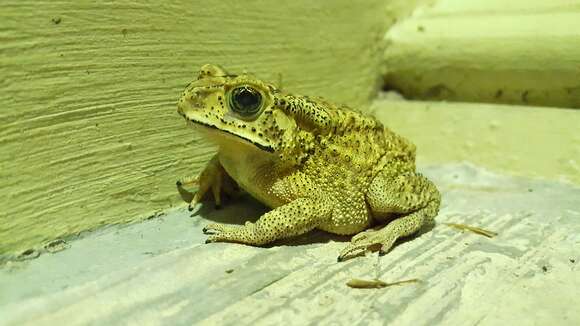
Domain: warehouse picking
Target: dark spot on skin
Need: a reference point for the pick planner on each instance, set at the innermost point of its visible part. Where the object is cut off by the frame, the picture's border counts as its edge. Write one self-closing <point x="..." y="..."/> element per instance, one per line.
<point x="545" y="268"/>
<point x="219" y="98"/>
<point x="499" y="93"/>
<point x="253" y="129"/>
<point x="572" y="260"/>
<point x="56" y="20"/>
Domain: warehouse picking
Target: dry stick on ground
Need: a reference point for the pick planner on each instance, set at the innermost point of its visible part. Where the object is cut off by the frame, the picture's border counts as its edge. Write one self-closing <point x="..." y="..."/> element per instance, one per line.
<point x="480" y="231"/>
<point x="376" y="284"/>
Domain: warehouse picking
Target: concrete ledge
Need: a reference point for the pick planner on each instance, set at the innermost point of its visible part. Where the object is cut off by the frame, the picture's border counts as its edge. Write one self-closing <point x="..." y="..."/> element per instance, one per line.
<point x="533" y="142"/>
<point x="518" y="52"/>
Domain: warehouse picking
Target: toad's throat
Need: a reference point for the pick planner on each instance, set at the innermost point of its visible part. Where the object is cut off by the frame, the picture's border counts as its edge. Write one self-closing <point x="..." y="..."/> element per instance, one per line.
<point x="268" y="149"/>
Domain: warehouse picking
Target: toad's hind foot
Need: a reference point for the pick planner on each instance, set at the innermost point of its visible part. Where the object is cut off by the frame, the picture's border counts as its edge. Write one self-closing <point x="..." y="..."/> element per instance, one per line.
<point x="382" y="240"/>
<point x="369" y="240"/>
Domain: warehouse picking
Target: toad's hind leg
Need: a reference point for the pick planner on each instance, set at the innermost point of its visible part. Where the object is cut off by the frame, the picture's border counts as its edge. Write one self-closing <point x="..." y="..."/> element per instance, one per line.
<point x="410" y="194"/>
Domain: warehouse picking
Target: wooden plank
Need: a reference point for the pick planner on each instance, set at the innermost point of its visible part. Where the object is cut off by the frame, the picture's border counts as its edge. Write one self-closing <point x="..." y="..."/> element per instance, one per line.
<point x="522" y="275"/>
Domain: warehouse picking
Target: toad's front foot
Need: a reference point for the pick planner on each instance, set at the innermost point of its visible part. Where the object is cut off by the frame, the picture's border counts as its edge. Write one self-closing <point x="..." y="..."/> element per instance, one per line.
<point x="213" y="178"/>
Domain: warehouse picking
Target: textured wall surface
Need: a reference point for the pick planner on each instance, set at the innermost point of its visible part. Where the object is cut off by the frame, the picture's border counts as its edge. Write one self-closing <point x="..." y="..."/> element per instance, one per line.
<point x="519" y="52"/>
<point x="525" y="141"/>
<point x="89" y="131"/>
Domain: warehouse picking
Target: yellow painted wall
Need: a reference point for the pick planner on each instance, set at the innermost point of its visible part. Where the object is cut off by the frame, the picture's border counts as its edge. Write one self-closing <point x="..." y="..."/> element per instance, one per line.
<point x="89" y="132"/>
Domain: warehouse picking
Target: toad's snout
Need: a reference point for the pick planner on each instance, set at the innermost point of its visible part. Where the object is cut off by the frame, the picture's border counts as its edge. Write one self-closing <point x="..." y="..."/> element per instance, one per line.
<point x="192" y="99"/>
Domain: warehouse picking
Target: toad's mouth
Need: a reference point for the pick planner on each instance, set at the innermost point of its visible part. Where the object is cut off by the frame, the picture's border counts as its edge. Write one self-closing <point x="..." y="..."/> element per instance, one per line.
<point x="197" y="123"/>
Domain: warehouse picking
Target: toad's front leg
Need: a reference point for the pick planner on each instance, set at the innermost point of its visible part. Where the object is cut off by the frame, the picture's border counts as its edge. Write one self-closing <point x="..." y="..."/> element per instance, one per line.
<point x="294" y="218"/>
<point x="212" y="177"/>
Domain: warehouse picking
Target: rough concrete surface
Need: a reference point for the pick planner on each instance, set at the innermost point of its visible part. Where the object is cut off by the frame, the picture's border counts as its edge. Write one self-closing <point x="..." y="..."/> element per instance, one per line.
<point x="160" y="272"/>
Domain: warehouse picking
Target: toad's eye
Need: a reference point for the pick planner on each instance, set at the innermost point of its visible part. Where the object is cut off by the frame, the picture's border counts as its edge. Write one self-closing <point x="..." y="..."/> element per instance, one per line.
<point x="245" y="100"/>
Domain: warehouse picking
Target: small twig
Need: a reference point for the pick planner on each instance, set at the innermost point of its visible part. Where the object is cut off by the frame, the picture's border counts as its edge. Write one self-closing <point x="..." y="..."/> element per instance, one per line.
<point x="480" y="231"/>
<point x="376" y="283"/>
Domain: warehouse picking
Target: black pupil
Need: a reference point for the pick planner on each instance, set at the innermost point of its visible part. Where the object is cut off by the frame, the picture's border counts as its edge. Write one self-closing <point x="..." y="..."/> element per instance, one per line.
<point x="246" y="101"/>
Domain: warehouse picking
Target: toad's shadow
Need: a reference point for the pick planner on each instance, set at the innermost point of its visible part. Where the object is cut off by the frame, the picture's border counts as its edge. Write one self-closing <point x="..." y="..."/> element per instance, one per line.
<point x="246" y="208"/>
